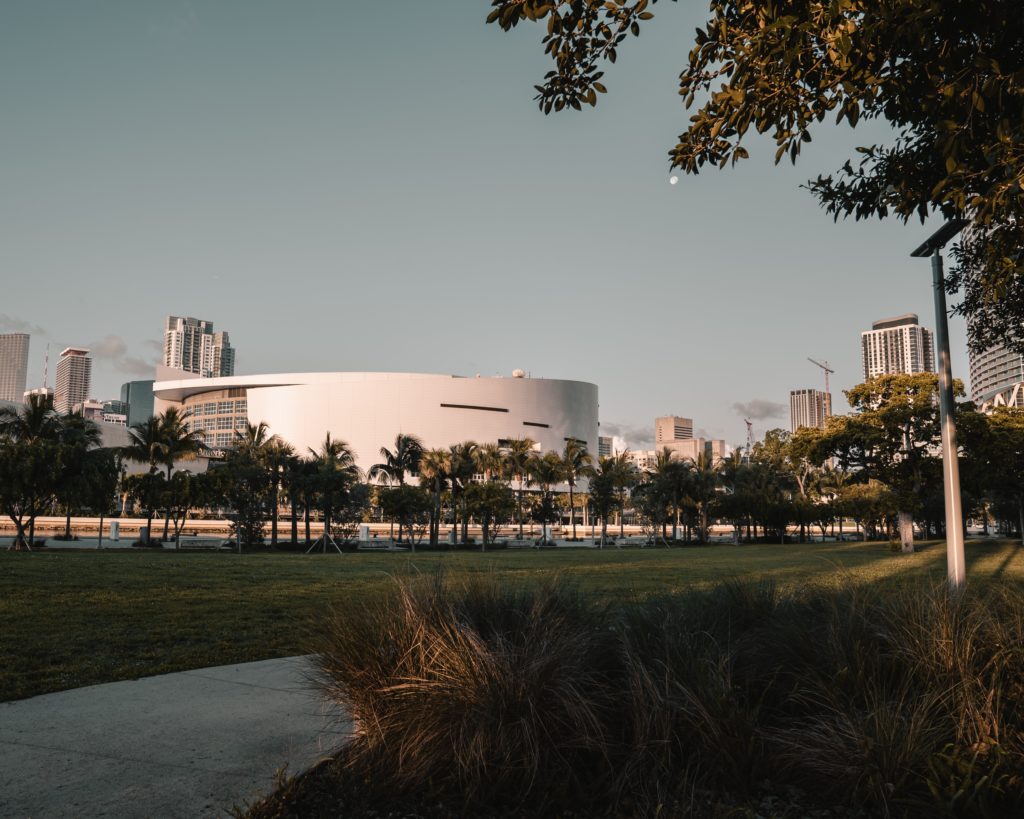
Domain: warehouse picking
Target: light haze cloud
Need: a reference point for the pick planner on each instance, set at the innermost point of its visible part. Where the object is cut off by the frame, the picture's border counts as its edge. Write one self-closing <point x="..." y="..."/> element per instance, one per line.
<point x="758" y="409"/>
<point x="632" y="436"/>
<point x="114" y="349"/>
<point x="10" y="324"/>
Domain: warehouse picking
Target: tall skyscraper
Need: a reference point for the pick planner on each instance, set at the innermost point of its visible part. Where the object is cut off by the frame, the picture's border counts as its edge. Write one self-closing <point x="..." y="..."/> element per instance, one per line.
<point x="74" y="377"/>
<point x="190" y="344"/>
<point x="605" y="445"/>
<point x="808" y="408"/>
<point x="897" y="345"/>
<point x="13" y="366"/>
<point x="997" y="378"/>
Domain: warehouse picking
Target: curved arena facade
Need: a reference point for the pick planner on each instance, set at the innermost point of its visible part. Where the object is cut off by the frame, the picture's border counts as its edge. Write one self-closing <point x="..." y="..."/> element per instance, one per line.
<point x="368" y="410"/>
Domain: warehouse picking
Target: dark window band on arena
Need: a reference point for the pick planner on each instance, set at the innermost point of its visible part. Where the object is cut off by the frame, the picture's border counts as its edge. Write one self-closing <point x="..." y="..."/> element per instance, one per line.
<point x="536" y="424"/>
<point x="474" y="407"/>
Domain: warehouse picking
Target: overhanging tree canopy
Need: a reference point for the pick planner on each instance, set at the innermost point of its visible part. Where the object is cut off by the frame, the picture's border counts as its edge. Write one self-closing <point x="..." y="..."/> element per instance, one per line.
<point x="948" y="75"/>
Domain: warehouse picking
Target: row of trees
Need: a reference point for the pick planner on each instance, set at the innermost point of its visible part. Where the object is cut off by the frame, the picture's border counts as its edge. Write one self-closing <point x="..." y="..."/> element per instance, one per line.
<point x="877" y="466"/>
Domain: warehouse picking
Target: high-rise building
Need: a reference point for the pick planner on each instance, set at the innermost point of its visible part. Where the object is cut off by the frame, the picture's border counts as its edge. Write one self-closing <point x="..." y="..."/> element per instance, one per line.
<point x="997" y="378"/>
<point x="672" y="428"/>
<point x="74" y="376"/>
<point x="808" y="408"/>
<point x="897" y="345"/>
<point x="13" y="366"/>
<point x="190" y="344"/>
<point x="138" y="396"/>
<point x="605" y="445"/>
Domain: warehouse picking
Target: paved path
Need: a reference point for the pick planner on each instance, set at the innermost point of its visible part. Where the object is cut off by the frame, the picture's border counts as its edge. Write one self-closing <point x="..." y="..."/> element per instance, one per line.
<point x="178" y="745"/>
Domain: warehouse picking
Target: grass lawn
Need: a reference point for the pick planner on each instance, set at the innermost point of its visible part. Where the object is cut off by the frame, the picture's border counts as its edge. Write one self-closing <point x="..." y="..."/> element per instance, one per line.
<point x="78" y="618"/>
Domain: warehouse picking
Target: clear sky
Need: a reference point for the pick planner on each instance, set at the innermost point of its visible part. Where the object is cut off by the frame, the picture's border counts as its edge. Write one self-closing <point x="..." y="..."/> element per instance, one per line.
<point x="370" y="186"/>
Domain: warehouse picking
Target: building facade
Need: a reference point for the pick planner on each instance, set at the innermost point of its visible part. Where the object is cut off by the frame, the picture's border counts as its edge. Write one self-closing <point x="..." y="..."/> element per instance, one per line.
<point x="896" y="346"/>
<point x="605" y="446"/>
<point x="997" y="378"/>
<point x="367" y="410"/>
<point x="808" y="408"/>
<point x="670" y="428"/>
<point x="74" y="378"/>
<point x="137" y="397"/>
<point x="190" y="344"/>
<point x="13" y="366"/>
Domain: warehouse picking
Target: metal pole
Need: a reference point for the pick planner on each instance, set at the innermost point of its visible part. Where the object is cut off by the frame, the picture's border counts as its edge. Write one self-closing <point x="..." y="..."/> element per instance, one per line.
<point x="955" y="564"/>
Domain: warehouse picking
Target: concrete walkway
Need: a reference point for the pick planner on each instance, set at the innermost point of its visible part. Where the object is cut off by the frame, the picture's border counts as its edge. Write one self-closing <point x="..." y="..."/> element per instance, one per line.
<point x="178" y="745"/>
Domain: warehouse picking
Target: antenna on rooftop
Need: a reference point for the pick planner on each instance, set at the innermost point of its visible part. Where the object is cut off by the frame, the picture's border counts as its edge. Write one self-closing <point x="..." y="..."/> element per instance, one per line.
<point x="46" y="364"/>
<point x="750" y="437"/>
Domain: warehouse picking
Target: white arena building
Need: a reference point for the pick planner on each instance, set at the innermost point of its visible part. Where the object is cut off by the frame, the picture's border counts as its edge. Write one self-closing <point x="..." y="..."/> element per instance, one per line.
<point x="367" y="410"/>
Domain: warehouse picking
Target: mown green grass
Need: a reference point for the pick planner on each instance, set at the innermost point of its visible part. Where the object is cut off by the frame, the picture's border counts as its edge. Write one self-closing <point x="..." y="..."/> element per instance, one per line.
<point x="69" y="619"/>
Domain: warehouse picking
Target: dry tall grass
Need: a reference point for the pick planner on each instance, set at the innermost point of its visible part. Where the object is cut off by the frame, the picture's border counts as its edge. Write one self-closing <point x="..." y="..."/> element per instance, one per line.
<point x="900" y="702"/>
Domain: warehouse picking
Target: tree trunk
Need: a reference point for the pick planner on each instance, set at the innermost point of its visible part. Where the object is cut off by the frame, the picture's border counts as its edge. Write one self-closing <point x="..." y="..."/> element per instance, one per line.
<point x="32" y="533"/>
<point x="572" y="513"/>
<point x="67" y="522"/>
<point x="307" y="522"/>
<point x="295" y="523"/>
<point x="1020" y="515"/>
<point x="520" y="508"/>
<point x="99" y="540"/>
<point x="273" y="517"/>
<point x="905" y="522"/>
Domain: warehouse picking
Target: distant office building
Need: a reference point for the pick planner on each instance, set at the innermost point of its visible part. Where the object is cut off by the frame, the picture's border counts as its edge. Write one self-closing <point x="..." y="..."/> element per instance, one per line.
<point x="115" y="406"/>
<point x="689" y="449"/>
<point x="13" y="366"/>
<point x="897" y="345"/>
<point x="997" y="378"/>
<point x="808" y="408"/>
<point x="643" y="460"/>
<point x="190" y="344"/>
<point x="605" y="446"/>
<point x="672" y="428"/>
<point x="42" y="392"/>
<point x="90" y="409"/>
<point x="74" y="377"/>
<point x="137" y="396"/>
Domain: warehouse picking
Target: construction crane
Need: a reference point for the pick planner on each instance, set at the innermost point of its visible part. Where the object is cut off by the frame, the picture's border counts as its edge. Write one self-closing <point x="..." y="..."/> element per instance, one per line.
<point x="750" y="438"/>
<point x="828" y="392"/>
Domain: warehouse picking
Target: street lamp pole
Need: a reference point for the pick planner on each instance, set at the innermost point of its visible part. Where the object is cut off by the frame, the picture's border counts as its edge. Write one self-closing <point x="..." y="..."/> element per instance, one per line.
<point x="955" y="563"/>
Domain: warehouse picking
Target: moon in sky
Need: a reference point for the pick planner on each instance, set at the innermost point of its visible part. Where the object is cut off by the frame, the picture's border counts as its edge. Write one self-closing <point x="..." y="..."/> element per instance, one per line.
<point x="673" y="179"/>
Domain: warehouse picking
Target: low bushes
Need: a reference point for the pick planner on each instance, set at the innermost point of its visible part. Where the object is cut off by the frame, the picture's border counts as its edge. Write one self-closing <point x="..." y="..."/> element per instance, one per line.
<point x="488" y="698"/>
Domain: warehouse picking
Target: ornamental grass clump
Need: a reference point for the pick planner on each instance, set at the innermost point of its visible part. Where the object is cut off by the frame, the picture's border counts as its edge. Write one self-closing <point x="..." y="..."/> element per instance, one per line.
<point x="496" y="694"/>
<point x="492" y="699"/>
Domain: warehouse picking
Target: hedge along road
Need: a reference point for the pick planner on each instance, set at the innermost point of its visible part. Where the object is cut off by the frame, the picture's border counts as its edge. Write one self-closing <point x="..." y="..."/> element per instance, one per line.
<point x="79" y="618"/>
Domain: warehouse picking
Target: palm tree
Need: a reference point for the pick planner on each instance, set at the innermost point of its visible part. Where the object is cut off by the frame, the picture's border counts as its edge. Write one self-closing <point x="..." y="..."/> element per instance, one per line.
<point x="434" y="467"/>
<point x="35" y="421"/>
<point x="576" y="464"/>
<point x="334" y="472"/>
<point x="490" y="461"/>
<point x="518" y="452"/>
<point x="705" y="478"/>
<point x="672" y="475"/>
<point x="405" y="458"/>
<point x="461" y="469"/>
<point x="604" y="492"/>
<point x="546" y="471"/>
<point x="78" y="436"/>
<point x="146" y="445"/>
<point x="277" y="458"/>
<point x="625" y="478"/>
<point x="179" y="443"/>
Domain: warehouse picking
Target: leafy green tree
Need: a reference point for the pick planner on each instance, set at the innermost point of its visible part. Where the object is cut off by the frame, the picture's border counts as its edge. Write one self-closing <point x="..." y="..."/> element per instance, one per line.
<point x="705" y="478"/>
<point x="410" y="505"/>
<point x="491" y="503"/>
<point x="672" y="476"/>
<point x="103" y="474"/>
<point x="30" y="449"/>
<point x="892" y="437"/>
<point x="944" y="74"/>
<point x="243" y="485"/>
<point x="1001" y="454"/>
<point x="148" y="490"/>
